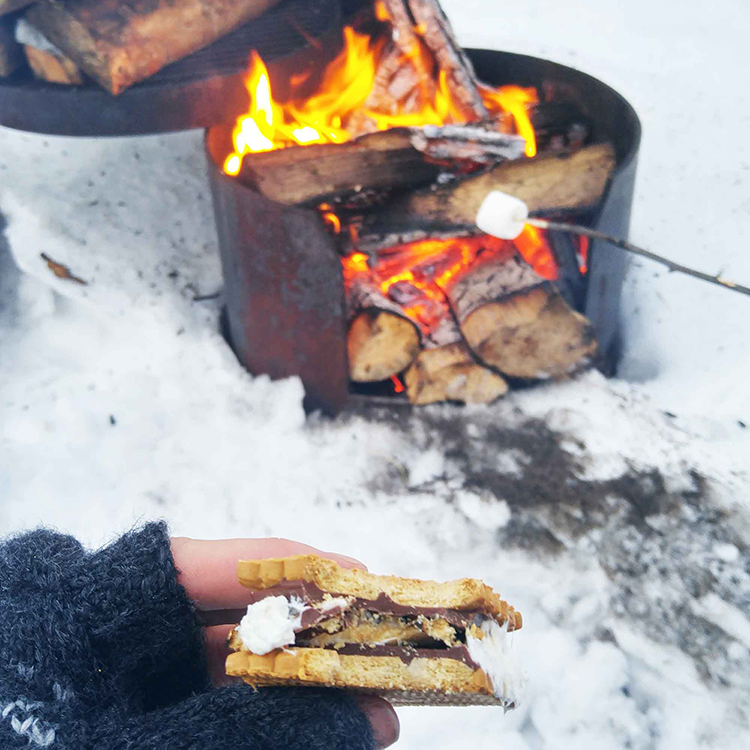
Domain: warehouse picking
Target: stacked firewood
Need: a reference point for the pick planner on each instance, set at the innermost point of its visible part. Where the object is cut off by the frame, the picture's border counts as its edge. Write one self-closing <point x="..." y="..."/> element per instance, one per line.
<point x="115" y="42"/>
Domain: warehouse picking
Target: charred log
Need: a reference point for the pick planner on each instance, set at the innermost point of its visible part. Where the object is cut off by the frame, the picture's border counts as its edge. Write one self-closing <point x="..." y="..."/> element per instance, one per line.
<point x="546" y="184"/>
<point x="121" y="42"/>
<point x="518" y="323"/>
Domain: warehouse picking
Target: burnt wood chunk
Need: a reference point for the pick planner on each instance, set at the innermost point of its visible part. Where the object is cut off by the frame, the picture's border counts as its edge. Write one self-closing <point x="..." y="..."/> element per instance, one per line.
<point x="121" y="42"/>
<point x="518" y="323"/>
<point x="11" y="53"/>
<point x="8" y="6"/>
<point x="545" y="184"/>
<point x="381" y="341"/>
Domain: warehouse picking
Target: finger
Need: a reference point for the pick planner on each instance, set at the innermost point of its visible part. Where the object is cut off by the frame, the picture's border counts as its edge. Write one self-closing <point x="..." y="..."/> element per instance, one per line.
<point x="217" y="650"/>
<point x="383" y="719"/>
<point x="208" y="569"/>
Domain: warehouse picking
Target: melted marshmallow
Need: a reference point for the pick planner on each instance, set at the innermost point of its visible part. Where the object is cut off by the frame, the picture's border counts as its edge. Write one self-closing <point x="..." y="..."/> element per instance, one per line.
<point x="270" y="623"/>
<point x="493" y="654"/>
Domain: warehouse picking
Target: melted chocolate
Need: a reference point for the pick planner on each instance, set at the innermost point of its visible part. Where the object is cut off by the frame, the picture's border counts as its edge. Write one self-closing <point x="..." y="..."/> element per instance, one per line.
<point x="407" y="654"/>
<point x="311" y="595"/>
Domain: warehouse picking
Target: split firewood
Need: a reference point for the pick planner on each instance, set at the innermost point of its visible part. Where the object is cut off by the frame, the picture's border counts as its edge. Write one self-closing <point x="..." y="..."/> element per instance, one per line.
<point x="420" y="48"/>
<point x="545" y="184"/>
<point x="445" y="370"/>
<point x="518" y="323"/>
<point x="121" y="42"/>
<point x="381" y="341"/>
<point x="11" y="54"/>
<point x="8" y="6"/>
<point x="386" y="159"/>
<point x="452" y="60"/>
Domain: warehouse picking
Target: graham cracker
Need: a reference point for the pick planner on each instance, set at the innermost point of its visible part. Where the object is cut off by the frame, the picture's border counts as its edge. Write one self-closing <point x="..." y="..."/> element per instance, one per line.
<point x="329" y="576"/>
<point x="421" y="682"/>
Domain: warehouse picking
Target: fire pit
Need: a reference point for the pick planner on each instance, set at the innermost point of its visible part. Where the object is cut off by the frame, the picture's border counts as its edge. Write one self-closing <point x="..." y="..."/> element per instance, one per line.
<point x="289" y="274"/>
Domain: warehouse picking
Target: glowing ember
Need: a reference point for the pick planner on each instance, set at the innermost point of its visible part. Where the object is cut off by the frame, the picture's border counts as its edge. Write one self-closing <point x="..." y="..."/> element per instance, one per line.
<point x="343" y="91"/>
<point x="415" y="275"/>
<point x="398" y="386"/>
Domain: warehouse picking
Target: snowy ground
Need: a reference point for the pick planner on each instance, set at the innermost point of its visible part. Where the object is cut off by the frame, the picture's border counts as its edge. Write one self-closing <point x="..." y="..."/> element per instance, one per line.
<point x="614" y="514"/>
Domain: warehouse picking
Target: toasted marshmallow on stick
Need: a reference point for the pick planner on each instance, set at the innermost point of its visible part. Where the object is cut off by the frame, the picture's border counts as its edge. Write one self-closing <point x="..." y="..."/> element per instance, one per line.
<point x="312" y="622"/>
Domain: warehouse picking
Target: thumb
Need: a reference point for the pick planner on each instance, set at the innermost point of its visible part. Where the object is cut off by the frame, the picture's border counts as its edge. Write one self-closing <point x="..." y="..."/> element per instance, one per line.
<point x="241" y="718"/>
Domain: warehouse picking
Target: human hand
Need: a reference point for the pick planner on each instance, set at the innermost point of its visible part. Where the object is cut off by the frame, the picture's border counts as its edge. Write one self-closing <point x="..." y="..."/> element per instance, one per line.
<point x="208" y="573"/>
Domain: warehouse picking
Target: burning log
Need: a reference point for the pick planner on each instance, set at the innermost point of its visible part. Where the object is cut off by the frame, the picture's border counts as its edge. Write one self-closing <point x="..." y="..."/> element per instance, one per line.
<point x="381" y="341"/>
<point x="445" y="370"/>
<point x="11" y="56"/>
<point x="545" y="184"/>
<point x="459" y="73"/>
<point x="518" y="323"/>
<point x="121" y="42"/>
<point x="386" y="159"/>
<point x="421" y="44"/>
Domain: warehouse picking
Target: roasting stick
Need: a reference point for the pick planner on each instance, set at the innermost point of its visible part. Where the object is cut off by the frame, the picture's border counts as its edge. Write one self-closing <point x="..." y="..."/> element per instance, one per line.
<point x="504" y="216"/>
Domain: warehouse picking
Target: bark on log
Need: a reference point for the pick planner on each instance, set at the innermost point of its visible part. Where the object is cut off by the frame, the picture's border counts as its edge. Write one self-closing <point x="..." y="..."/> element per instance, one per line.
<point x="8" y="6"/>
<point x="445" y="370"/>
<point x="387" y="159"/>
<point x="460" y="78"/>
<point x="381" y="341"/>
<point x="546" y="184"/>
<point x="518" y="323"/>
<point x="310" y="174"/>
<point x="121" y="42"/>
<point x="11" y="54"/>
<point x="406" y="80"/>
<point x="52" y="68"/>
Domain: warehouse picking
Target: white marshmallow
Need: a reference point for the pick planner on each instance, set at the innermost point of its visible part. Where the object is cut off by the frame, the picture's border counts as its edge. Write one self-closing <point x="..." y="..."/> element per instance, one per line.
<point x="502" y="215"/>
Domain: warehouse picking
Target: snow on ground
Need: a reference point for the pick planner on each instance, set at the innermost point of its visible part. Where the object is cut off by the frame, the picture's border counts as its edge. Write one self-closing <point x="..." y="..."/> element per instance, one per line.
<point x="614" y="514"/>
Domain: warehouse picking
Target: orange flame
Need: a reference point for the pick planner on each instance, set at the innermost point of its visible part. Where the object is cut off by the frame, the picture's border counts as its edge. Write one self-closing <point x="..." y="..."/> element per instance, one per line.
<point x="416" y="274"/>
<point x="516" y="101"/>
<point x="344" y="89"/>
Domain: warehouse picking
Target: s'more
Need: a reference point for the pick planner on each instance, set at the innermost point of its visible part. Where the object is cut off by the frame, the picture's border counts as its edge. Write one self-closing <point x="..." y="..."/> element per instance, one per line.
<point x="313" y="623"/>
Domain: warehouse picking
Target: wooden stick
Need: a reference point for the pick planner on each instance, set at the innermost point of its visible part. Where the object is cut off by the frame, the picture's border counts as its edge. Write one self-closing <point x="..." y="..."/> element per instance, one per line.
<point x="545" y="184"/>
<point x="121" y="42"/>
<point x="518" y="323"/>
<point x="629" y="247"/>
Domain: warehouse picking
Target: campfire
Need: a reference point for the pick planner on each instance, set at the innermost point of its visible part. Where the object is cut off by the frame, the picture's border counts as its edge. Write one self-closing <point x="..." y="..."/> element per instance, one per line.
<point x="395" y="143"/>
